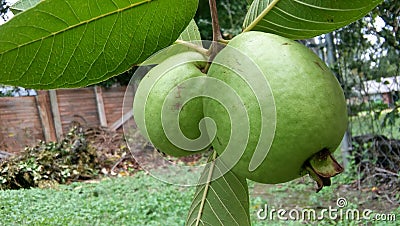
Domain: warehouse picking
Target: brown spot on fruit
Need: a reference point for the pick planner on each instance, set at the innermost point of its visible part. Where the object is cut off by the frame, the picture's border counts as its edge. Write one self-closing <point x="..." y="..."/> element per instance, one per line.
<point x="177" y="106"/>
<point x="179" y="88"/>
<point x="319" y="65"/>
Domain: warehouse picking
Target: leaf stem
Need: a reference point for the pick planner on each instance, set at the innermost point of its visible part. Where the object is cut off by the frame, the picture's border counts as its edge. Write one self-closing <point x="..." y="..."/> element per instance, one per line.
<point x="261" y="16"/>
<point x="195" y="47"/>
<point x="206" y="188"/>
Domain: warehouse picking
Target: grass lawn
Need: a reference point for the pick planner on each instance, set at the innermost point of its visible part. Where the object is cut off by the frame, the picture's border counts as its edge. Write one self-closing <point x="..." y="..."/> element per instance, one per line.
<point x="138" y="200"/>
<point x="143" y="200"/>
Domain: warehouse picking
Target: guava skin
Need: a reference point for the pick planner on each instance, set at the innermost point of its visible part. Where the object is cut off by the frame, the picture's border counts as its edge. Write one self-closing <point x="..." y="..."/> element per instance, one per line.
<point x="311" y="110"/>
<point x="190" y="114"/>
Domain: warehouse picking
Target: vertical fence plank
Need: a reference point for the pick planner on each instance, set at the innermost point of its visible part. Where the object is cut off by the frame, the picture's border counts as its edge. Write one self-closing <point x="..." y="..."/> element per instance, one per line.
<point x="45" y="116"/>
<point x="56" y="114"/>
<point x="100" y="106"/>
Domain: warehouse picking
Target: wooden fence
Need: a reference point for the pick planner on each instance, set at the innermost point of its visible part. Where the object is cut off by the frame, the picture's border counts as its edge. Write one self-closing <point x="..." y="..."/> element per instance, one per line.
<point x="49" y="115"/>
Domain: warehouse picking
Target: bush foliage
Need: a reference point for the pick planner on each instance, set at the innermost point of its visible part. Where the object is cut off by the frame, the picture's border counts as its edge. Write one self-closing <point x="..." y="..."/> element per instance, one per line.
<point x="78" y="156"/>
<point x="48" y="163"/>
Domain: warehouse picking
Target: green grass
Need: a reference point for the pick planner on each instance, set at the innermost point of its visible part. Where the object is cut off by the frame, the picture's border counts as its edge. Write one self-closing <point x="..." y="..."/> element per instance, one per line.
<point x="300" y="194"/>
<point x="143" y="200"/>
<point x="139" y="200"/>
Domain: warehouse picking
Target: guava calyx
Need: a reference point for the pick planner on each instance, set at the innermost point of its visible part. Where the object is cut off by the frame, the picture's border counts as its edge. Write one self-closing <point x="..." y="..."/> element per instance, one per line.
<point x="321" y="167"/>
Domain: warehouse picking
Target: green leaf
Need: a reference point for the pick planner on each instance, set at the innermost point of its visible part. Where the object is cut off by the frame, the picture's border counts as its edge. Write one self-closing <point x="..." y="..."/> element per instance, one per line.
<point x="302" y="19"/>
<point x="223" y="201"/>
<point x="23" y="5"/>
<point x="191" y="33"/>
<point x="190" y="36"/>
<point x="74" y="43"/>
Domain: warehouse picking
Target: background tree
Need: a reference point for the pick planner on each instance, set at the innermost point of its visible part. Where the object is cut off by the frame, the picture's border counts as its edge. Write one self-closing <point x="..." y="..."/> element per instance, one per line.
<point x="231" y="14"/>
<point x="368" y="50"/>
<point x="371" y="44"/>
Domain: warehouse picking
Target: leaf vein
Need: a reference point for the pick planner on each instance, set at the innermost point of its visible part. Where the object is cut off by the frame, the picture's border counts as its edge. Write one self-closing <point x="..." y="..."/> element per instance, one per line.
<point x="328" y="9"/>
<point x="81" y="23"/>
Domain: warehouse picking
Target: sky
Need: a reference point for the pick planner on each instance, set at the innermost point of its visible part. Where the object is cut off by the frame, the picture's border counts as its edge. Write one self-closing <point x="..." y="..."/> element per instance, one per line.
<point x="9" y="14"/>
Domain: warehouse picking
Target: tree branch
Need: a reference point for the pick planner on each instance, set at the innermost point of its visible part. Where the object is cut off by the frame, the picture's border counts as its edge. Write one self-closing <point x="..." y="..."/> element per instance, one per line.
<point x="215" y="23"/>
<point x="218" y="41"/>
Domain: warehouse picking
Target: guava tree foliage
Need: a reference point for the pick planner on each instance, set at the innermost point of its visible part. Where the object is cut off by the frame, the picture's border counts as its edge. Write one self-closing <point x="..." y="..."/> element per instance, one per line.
<point x="374" y="58"/>
<point x="53" y="44"/>
<point x="369" y="49"/>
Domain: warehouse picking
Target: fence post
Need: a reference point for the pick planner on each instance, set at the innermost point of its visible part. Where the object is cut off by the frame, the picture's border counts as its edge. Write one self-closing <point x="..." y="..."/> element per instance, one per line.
<point x="56" y="114"/>
<point x="100" y="106"/>
<point x="45" y="116"/>
<point x="332" y="61"/>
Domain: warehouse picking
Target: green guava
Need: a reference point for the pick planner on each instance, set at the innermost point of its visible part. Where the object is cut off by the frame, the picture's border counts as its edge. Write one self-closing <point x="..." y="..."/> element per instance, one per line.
<point x="161" y="101"/>
<point x="310" y="109"/>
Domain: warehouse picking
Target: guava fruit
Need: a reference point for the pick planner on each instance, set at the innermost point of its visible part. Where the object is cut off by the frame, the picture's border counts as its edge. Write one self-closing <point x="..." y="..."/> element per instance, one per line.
<point x="161" y="100"/>
<point x="310" y="108"/>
